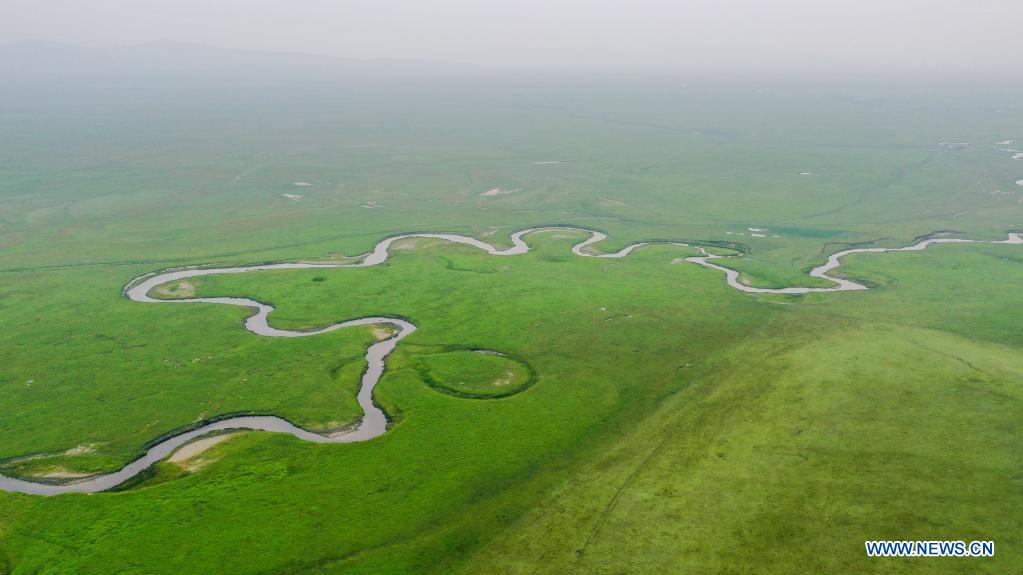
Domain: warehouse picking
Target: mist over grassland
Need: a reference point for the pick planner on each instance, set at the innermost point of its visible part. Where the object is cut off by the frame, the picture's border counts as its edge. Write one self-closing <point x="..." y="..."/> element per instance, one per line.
<point x="177" y="127"/>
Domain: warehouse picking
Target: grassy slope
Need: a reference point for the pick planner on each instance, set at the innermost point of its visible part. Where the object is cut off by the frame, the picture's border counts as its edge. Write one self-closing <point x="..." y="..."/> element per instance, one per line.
<point x="798" y="453"/>
<point x="811" y="437"/>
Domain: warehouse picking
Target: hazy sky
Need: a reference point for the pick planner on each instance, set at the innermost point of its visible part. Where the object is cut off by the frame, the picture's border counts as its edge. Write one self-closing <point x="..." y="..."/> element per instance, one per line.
<point x="900" y="34"/>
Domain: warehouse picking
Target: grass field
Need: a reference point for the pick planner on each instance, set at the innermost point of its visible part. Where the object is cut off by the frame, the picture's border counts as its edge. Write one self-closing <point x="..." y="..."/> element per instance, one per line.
<point x="647" y="417"/>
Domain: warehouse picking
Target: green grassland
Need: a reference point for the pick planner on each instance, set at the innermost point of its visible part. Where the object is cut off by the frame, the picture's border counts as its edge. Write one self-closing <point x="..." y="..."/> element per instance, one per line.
<point x="661" y="422"/>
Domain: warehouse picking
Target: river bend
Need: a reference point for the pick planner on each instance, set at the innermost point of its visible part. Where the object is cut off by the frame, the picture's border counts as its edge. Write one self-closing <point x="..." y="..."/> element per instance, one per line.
<point x="374" y="421"/>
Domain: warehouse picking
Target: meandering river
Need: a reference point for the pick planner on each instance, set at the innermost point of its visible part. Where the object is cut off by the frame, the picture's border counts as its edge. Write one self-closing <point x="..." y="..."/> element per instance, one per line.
<point x="374" y="422"/>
